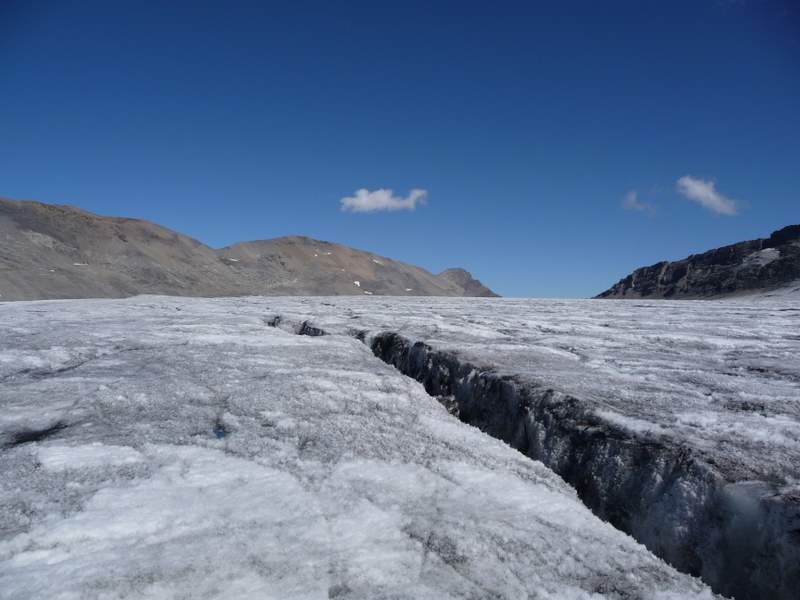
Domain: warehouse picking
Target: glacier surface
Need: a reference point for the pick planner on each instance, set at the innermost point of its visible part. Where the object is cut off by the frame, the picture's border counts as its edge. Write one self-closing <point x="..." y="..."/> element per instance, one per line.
<point x="170" y="447"/>
<point x="679" y="422"/>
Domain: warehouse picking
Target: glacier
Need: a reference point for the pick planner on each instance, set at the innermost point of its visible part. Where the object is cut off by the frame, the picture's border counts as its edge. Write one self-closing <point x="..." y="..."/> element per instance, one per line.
<point x="158" y="447"/>
<point x="678" y="421"/>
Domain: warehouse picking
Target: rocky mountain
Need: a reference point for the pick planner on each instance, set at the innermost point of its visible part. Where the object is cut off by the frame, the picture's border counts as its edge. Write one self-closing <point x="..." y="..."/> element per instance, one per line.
<point x="465" y="280"/>
<point x="762" y="265"/>
<point x="54" y="251"/>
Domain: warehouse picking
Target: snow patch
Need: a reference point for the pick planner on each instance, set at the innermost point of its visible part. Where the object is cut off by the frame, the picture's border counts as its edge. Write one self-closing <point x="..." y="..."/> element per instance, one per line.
<point x="762" y="257"/>
<point x="59" y="458"/>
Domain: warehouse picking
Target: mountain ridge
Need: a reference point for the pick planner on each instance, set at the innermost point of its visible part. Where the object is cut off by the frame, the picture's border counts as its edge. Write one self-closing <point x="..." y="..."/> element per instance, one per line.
<point x="751" y="266"/>
<point x="50" y="251"/>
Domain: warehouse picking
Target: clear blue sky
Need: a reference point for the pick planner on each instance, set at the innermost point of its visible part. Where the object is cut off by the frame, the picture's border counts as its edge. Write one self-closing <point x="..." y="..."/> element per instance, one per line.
<point x="528" y="124"/>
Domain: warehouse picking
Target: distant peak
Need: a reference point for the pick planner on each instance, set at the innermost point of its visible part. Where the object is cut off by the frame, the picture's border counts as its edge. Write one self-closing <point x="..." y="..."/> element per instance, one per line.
<point x="464" y="279"/>
<point x="784" y="235"/>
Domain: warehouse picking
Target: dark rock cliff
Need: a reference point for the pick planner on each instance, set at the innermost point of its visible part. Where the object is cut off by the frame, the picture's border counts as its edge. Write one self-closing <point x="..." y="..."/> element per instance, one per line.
<point x="754" y="265"/>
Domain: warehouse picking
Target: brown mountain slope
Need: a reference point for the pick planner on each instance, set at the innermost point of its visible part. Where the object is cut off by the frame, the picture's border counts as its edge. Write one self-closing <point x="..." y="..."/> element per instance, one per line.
<point x="300" y="265"/>
<point x="465" y="280"/>
<point x="51" y="251"/>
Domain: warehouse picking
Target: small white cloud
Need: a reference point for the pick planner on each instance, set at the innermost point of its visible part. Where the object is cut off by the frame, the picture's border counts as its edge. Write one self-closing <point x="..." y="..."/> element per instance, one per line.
<point x="631" y="202"/>
<point x="703" y="192"/>
<point x="382" y="199"/>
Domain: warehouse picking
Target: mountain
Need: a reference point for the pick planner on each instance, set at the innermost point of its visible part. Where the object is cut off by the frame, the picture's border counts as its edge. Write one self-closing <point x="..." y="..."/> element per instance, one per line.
<point x="54" y="251"/>
<point x="753" y="266"/>
<point x="465" y="280"/>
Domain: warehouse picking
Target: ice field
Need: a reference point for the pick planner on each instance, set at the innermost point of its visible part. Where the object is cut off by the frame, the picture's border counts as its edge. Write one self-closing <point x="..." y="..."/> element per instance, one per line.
<point x="161" y="447"/>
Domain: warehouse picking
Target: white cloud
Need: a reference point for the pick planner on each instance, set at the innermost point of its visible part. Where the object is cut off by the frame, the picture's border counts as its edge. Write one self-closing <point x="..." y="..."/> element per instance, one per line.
<point x="382" y="199"/>
<point x="631" y="202"/>
<point x="703" y="192"/>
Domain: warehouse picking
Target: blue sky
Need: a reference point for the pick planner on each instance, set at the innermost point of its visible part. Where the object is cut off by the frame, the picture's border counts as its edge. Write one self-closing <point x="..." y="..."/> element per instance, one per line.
<point x="546" y="139"/>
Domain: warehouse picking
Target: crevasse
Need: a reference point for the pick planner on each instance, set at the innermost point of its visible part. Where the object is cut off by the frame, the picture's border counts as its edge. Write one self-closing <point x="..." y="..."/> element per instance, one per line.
<point x="741" y="537"/>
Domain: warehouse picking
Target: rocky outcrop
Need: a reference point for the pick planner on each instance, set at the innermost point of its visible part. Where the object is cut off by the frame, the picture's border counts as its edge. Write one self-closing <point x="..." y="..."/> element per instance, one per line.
<point x="465" y="280"/>
<point x="751" y="266"/>
<point x="50" y="251"/>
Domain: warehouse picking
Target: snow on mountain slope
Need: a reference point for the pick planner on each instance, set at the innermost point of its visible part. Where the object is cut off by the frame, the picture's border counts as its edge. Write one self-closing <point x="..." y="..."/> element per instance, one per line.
<point x="183" y="448"/>
<point x="787" y="292"/>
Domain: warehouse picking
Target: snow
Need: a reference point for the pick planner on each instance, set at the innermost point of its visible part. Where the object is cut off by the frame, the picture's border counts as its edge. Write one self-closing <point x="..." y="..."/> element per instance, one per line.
<point x="357" y="283"/>
<point x="714" y="382"/>
<point x="762" y="257"/>
<point x="201" y="453"/>
<point x="376" y="261"/>
<point x="790" y="291"/>
<point x="719" y="376"/>
<point x="709" y="391"/>
<point x="59" y="457"/>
